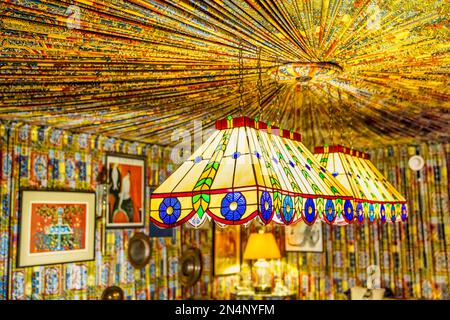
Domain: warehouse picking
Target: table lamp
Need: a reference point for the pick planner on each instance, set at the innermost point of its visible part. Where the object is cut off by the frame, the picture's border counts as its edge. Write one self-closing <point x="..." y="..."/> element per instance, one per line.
<point x="260" y="247"/>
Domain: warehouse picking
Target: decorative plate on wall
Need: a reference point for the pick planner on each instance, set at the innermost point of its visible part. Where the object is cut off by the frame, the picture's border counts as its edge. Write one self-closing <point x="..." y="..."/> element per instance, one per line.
<point x="301" y="237"/>
<point x="113" y="293"/>
<point x="139" y="250"/>
<point x="416" y="163"/>
<point x="190" y="267"/>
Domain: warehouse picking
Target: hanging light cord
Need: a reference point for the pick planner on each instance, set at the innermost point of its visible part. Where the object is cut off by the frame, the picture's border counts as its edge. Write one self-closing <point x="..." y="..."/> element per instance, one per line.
<point x="241" y="79"/>
<point x="259" y="84"/>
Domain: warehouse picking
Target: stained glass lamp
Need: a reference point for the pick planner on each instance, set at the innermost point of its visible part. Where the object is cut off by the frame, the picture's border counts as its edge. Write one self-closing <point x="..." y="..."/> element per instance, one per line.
<point x="248" y="169"/>
<point x="375" y="198"/>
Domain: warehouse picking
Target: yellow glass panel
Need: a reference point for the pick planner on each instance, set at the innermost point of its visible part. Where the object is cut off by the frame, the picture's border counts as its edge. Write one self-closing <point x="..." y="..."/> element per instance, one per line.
<point x="276" y="167"/>
<point x="362" y="182"/>
<point x="174" y="179"/>
<point x="243" y="143"/>
<point x="186" y="203"/>
<point x="281" y="163"/>
<point x="314" y="174"/>
<point x="251" y="208"/>
<point x="155" y="203"/>
<point x="305" y="186"/>
<point x="225" y="173"/>
<point x="390" y="189"/>
<point x="209" y="151"/>
<point x="374" y="188"/>
<point x="232" y="146"/>
<point x="261" y="174"/>
<point x="345" y="177"/>
<point x="255" y="149"/>
<point x="207" y="148"/>
<point x="245" y="172"/>
<point x="216" y="201"/>
<point x="190" y="179"/>
<point x="336" y="163"/>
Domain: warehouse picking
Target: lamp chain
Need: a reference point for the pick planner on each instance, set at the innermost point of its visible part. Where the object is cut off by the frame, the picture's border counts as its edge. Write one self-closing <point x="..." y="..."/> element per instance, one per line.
<point x="241" y="79"/>
<point x="350" y="114"/>
<point x="330" y="115"/>
<point x="300" y="110"/>
<point x="339" y="114"/>
<point x="277" y="99"/>
<point x="350" y="126"/>
<point x="259" y="83"/>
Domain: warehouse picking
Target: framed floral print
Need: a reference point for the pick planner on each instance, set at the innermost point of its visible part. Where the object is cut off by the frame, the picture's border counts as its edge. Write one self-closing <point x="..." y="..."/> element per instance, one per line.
<point x="227" y="250"/>
<point x="126" y="191"/>
<point x="56" y="227"/>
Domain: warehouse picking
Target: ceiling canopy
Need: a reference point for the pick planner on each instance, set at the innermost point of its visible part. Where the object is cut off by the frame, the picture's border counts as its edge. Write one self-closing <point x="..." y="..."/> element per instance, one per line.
<point x="377" y="71"/>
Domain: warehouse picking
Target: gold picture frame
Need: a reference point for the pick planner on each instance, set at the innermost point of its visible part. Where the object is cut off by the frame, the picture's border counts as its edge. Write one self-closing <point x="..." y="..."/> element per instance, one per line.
<point x="227" y="250"/>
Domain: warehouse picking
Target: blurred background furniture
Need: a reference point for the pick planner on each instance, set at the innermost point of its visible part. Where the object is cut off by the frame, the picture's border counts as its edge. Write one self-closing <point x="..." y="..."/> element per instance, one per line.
<point x="263" y="296"/>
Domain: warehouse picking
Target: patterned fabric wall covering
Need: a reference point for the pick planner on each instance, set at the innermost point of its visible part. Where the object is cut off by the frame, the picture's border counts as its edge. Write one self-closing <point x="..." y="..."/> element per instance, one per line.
<point x="72" y="161"/>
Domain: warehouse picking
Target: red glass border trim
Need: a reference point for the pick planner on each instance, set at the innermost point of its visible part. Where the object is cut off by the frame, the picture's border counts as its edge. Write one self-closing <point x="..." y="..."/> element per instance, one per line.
<point x="342" y="149"/>
<point x="238" y="122"/>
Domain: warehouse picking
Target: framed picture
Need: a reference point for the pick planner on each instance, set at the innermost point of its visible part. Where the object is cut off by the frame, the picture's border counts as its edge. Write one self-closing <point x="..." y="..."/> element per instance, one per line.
<point x="126" y="191"/>
<point x="56" y="227"/>
<point x="302" y="237"/>
<point x="227" y="250"/>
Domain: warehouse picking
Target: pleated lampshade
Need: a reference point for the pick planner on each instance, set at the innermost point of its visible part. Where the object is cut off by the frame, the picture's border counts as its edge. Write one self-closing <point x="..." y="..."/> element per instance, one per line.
<point x="261" y="246"/>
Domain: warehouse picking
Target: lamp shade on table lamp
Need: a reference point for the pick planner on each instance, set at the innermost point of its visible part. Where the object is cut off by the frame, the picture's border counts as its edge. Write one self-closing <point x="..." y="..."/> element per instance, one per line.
<point x="262" y="246"/>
